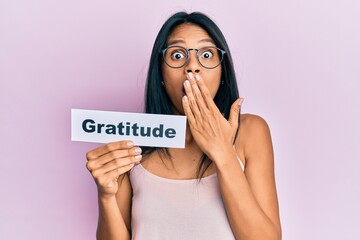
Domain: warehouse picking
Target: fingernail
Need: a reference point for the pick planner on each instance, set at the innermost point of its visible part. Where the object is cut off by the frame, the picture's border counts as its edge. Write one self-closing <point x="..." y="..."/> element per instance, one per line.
<point x="187" y="83"/>
<point x="190" y="75"/>
<point x="130" y="144"/>
<point x="185" y="98"/>
<point x="241" y="101"/>
<point x="138" y="150"/>
<point x="138" y="157"/>
<point x="197" y="77"/>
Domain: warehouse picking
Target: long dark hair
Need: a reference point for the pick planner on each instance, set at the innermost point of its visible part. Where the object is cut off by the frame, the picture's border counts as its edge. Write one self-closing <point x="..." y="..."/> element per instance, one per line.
<point x="156" y="99"/>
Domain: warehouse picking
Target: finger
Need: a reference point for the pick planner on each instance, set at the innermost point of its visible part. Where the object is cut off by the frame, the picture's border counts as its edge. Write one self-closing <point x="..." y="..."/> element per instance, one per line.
<point x="108" y="179"/>
<point x="209" y="101"/>
<point x="119" y="171"/>
<point x="125" y="144"/>
<point x="234" y="112"/>
<point x="116" y="164"/>
<point x="187" y="110"/>
<point x="197" y="93"/>
<point x="94" y="164"/>
<point x="191" y="99"/>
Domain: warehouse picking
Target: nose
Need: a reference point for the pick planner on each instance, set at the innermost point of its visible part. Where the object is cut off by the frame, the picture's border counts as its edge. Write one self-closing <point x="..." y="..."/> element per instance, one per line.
<point x="193" y="64"/>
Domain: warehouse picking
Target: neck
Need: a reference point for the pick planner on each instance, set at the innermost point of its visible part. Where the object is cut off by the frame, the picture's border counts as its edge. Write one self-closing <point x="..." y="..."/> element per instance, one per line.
<point x="190" y="145"/>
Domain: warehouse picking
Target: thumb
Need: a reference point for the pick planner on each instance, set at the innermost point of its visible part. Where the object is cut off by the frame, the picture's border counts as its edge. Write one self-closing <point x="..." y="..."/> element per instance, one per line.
<point x="234" y="112"/>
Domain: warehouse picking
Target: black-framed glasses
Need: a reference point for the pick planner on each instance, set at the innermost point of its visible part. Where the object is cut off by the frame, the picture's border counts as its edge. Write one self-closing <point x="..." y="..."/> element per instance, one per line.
<point x="209" y="57"/>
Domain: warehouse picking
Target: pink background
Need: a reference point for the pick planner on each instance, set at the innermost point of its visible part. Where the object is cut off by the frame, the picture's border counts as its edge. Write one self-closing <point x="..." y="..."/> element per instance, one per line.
<point x="298" y="64"/>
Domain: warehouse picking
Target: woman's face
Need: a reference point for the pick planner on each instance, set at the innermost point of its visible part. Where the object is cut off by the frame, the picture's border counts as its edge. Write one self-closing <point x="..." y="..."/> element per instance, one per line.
<point x="189" y="36"/>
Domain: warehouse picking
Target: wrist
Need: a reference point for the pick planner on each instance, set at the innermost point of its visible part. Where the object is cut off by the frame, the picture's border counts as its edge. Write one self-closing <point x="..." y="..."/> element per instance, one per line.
<point x="105" y="198"/>
<point x="223" y="157"/>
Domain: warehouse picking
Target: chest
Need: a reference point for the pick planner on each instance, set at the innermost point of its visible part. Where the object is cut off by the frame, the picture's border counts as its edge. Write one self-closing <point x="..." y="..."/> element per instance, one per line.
<point x="188" y="206"/>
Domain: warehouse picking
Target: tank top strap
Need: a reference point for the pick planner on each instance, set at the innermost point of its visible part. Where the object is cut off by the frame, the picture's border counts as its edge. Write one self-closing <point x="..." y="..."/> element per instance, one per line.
<point x="241" y="163"/>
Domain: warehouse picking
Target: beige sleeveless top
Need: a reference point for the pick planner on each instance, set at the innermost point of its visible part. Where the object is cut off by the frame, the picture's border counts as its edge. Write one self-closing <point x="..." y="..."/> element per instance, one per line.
<point x="171" y="209"/>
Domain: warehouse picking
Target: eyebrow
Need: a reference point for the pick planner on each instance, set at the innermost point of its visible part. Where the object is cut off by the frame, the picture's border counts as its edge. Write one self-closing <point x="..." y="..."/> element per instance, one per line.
<point x="182" y="41"/>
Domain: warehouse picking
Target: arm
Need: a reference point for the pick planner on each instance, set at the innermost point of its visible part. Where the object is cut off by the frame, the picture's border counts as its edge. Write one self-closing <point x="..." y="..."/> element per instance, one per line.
<point x="108" y="165"/>
<point x="114" y="213"/>
<point x="250" y="198"/>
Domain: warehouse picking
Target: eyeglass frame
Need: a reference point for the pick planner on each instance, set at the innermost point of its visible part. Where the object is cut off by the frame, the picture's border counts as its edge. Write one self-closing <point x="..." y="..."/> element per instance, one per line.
<point x="197" y="55"/>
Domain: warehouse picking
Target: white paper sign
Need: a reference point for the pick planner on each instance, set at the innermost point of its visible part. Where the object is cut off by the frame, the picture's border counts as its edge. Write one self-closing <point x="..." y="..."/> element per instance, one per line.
<point x="152" y="130"/>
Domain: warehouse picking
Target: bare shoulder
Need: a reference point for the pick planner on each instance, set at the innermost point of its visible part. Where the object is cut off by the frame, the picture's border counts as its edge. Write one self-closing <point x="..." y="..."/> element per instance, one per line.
<point x="253" y="136"/>
<point x="252" y="125"/>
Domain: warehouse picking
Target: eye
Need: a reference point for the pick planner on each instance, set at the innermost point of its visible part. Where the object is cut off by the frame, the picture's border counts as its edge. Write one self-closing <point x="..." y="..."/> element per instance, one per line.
<point x="177" y="55"/>
<point x="207" y="54"/>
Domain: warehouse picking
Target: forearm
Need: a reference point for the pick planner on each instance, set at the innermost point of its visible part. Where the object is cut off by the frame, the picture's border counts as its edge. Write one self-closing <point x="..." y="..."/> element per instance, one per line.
<point x="247" y="219"/>
<point x="111" y="225"/>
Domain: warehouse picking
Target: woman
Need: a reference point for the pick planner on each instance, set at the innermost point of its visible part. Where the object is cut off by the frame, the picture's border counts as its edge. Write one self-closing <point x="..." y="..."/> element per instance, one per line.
<point x="221" y="185"/>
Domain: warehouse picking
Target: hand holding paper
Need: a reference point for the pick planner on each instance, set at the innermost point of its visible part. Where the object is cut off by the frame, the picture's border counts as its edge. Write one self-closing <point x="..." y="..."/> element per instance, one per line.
<point x="110" y="161"/>
<point x="113" y="159"/>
